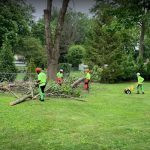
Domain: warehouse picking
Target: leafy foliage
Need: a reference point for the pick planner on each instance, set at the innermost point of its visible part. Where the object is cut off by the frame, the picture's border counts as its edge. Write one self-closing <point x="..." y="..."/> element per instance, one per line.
<point x="75" y="55"/>
<point x="7" y="67"/>
<point x="74" y="30"/>
<point x="32" y="48"/>
<point x="15" y="16"/>
<point x="30" y="74"/>
<point x="65" y="89"/>
<point x="112" y="41"/>
<point x="97" y="73"/>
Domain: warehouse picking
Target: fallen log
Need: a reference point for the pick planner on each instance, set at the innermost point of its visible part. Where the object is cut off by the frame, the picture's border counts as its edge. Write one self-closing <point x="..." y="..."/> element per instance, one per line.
<point x="77" y="82"/>
<point x="24" y="98"/>
<point x="20" y="100"/>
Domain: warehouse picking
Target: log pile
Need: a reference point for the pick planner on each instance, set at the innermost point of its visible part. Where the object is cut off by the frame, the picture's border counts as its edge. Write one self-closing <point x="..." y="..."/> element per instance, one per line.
<point x="30" y="91"/>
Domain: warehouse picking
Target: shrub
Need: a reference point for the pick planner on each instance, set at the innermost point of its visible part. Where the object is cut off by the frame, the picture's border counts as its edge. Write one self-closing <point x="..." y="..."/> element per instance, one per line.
<point x="7" y="67"/>
<point x="128" y="68"/>
<point x="75" y="55"/>
<point x="30" y="71"/>
<point x="112" y="73"/>
<point x="141" y="67"/>
<point x="96" y="73"/>
<point x="148" y="71"/>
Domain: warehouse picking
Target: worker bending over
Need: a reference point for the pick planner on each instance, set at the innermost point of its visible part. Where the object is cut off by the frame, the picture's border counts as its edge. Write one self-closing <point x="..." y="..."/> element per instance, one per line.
<point x="87" y="79"/>
<point x="60" y="76"/>
<point x="140" y="84"/>
<point x="41" y="83"/>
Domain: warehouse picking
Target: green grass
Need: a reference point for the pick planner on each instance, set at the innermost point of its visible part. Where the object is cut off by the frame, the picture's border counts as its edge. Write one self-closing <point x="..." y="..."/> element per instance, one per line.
<point x="110" y="120"/>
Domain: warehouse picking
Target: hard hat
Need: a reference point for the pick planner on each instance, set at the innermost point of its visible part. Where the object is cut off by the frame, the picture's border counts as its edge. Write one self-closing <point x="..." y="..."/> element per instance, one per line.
<point x="38" y="70"/>
<point x="61" y="70"/>
<point x="87" y="70"/>
<point x="138" y="74"/>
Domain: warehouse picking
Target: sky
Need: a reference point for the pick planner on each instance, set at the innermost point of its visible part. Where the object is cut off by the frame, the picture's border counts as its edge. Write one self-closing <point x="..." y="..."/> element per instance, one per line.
<point x="78" y="5"/>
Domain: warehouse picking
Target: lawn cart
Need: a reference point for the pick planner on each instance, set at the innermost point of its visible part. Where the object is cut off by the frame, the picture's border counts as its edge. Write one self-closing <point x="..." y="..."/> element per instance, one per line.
<point x="128" y="90"/>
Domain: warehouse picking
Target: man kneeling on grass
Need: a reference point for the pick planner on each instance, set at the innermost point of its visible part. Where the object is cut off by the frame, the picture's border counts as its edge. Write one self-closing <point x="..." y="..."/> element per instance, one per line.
<point x="140" y="84"/>
<point x="41" y="83"/>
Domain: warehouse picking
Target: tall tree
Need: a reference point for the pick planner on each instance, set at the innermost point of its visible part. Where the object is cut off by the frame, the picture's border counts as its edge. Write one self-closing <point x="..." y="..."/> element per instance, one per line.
<point x="53" y="45"/>
<point x="130" y="13"/>
<point x="7" y="66"/>
<point x="15" y="18"/>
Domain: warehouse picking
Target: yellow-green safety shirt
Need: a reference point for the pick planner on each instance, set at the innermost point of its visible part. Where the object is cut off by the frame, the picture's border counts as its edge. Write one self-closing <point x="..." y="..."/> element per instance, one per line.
<point x="140" y="80"/>
<point x="42" y="78"/>
<point x="59" y="75"/>
<point x="88" y="76"/>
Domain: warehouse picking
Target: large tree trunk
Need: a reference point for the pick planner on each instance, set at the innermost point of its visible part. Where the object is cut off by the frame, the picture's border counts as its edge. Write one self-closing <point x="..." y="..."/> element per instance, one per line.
<point x="53" y="49"/>
<point x="47" y="18"/>
<point x="52" y="69"/>
<point x="141" y="49"/>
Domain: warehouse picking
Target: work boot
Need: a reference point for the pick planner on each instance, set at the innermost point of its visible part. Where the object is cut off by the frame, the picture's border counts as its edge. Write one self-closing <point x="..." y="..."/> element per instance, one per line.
<point x="137" y="93"/>
<point x="42" y="100"/>
<point x="143" y="93"/>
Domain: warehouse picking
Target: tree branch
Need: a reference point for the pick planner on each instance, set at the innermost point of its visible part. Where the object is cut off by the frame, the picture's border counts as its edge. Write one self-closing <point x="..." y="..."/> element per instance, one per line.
<point x="47" y="18"/>
<point x="49" y="7"/>
<point x="60" y="24"/>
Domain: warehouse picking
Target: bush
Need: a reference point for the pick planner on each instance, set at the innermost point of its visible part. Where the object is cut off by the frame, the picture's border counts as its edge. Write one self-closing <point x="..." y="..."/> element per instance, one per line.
<point x="7" y="67"/>
<point x="75" y="55"/>
<point x="96" y="73"/>
<point x="64" y="89"/>
<point x="112" y="73"/>
<point x="30" y="71"/>
<point x="148" y="71"/>
<point x="31" y="48"/>
<point x="128" y="68"/>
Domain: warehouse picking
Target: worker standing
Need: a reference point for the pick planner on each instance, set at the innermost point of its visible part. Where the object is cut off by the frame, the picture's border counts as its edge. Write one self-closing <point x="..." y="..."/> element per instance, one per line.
<point x="41" y="83"/>
<point x="140" y="84"/>
<point x="87" y="79"/>
<point x="60" y="76"/>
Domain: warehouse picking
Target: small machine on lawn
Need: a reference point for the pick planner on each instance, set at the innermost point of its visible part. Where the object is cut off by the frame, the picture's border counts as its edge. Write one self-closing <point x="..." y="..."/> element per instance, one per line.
<point x="129" y="90"/>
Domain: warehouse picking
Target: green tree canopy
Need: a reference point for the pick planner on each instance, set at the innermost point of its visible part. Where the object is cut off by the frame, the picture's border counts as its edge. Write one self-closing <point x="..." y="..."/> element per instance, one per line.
<point x="15" y="16"/>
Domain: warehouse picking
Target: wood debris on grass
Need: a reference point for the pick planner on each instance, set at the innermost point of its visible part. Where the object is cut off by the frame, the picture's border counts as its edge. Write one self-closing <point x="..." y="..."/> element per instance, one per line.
<point x="30" y="91"/>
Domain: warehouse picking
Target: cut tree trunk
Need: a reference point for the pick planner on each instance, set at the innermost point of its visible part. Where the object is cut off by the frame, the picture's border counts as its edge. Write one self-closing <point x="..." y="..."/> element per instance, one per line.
<point x="77" y="82"/>
<point x="141" y="50"/>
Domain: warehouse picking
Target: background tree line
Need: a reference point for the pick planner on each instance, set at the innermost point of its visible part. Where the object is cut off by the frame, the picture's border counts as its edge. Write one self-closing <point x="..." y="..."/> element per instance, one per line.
<point x="115" y="41"/>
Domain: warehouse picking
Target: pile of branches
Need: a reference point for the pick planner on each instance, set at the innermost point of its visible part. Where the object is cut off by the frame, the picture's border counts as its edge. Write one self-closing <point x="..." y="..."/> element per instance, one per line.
<point x="28" y="90"/>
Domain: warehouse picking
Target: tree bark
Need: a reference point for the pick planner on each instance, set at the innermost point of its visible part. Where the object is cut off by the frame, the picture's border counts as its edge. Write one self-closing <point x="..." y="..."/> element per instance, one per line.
<point x="53" y="49"/>
<point x="77" y="82"/>
<point x="141" y="49"/>
<point x="20" y="100"/>
<point x="47" y="18"/>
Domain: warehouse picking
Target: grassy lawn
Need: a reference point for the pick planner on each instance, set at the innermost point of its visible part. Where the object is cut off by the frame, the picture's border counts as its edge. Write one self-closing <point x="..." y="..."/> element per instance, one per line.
<point x="110" y="120"/>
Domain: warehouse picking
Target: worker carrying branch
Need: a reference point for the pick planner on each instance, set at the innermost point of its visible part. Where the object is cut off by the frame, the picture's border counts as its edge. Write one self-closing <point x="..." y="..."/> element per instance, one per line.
<point x="140" y="84"/>
<point x="41" y="83"/>
<point x="87" y="79"/>
<point x="60" y="75"/>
